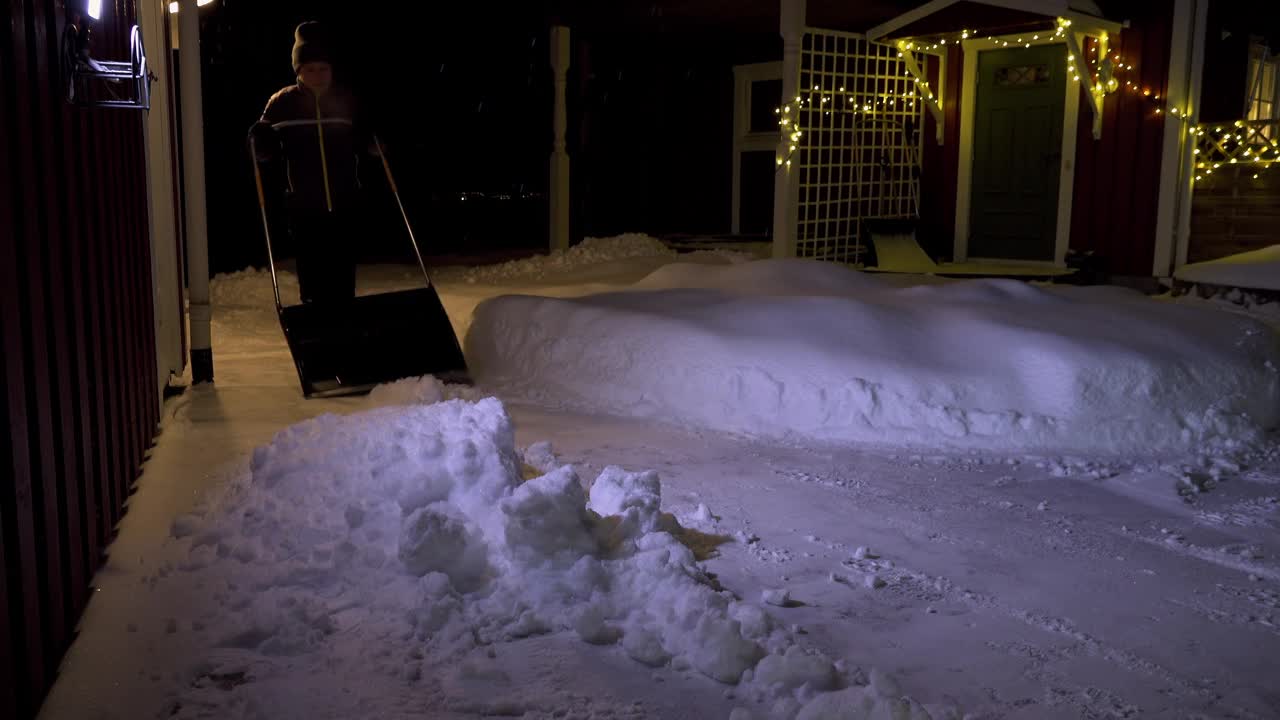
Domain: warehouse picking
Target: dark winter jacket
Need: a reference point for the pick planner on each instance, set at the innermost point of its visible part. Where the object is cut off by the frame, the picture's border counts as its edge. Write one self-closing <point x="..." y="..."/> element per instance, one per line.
<point x="320" y="138"/>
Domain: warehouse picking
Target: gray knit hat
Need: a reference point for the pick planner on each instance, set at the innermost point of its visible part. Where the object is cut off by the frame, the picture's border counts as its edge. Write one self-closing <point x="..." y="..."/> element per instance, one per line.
<point x="310" y="44"/>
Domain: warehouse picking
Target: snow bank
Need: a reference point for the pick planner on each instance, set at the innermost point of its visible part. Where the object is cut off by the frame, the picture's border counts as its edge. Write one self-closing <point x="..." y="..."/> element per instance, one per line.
<point x="1259" y="270"/>
<point x="589" y="252"/>
<point x="419" y="391"/>
<point x="409" y="532"/>
<point x="811" y="351"/>
<point x="251" y="287"/>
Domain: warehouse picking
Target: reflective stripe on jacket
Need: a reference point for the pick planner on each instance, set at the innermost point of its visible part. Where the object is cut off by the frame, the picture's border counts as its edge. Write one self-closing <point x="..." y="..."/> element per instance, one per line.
<point x="320" y="136"/>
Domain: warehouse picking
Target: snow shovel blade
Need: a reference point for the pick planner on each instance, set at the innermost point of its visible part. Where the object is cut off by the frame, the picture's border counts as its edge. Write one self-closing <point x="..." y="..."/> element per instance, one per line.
<point x="375" y="339"/>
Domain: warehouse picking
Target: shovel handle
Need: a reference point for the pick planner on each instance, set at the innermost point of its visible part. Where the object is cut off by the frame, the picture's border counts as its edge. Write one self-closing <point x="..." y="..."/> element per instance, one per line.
<point x="266" y="226"/>
<point x="386" y="167"/>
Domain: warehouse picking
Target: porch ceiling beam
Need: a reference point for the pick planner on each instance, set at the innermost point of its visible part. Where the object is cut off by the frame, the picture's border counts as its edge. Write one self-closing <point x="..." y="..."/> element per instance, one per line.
<point x="879" y="32"/>
<point x="1078" y="67"/>
<point x="931" y="99"/>
<point x="1090" y="23"/>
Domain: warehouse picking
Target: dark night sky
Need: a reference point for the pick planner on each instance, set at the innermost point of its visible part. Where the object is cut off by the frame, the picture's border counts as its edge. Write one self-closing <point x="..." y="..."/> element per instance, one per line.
<point x="464" y="102"/>
<point x="457" y="116"/>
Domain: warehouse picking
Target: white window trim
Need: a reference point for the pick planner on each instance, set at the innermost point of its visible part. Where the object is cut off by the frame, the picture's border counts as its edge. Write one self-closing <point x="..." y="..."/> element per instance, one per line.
<point x="743" y="139"/>
<point x="964" y="179"/>
<point x="1256" y="91"/>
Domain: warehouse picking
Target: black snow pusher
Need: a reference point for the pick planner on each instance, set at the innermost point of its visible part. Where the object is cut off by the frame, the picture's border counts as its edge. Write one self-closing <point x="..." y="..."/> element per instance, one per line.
<point x="373" y="339"/>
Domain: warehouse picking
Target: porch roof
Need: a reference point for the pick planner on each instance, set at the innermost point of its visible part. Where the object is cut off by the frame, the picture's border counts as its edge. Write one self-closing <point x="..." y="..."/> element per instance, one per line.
<point x="748" y="16"/>
<point x="878" y="19"/>
<point x="991" y="17"/>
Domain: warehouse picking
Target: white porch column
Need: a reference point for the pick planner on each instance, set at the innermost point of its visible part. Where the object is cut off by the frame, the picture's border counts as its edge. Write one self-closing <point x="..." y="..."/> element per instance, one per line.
<point x="786" y="186"/>
<point x="558" y="190"/>
<point x="1177" y="176"/>
<point x="193" y="186"/>
<point x="165" y="281"/>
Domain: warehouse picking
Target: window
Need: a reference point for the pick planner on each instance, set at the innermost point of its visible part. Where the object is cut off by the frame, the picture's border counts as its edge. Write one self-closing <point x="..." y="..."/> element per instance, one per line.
<point x="766" y="96"/>
<point x="1022" y="75"/>
<point x="1261" y="101"/>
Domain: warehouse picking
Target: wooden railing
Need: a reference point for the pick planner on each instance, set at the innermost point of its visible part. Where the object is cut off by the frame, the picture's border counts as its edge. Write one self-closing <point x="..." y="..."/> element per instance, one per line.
<point x="1250" y="145"/>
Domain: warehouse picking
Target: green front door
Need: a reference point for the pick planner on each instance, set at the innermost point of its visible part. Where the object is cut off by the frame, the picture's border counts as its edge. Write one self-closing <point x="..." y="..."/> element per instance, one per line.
<point x="1017" y="153"/>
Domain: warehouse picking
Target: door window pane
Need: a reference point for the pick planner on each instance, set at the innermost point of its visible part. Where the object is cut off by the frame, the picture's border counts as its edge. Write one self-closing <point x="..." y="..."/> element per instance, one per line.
<point x="1012" y="75"/>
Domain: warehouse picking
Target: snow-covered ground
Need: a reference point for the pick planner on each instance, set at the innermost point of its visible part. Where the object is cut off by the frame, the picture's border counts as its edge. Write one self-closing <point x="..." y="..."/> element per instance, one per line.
<point x="712" y="489"/>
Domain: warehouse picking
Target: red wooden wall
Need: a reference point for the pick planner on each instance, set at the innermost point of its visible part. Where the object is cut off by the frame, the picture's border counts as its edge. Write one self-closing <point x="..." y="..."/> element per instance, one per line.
<point x="78" y="401"/>
<point x="941" y="163"/>
<point x="1117" y="181"/>
<point x="1116" y="178"/>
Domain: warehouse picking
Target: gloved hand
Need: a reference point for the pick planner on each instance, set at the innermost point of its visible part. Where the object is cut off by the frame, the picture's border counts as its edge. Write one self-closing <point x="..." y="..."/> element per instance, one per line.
<point x="266" y="143"/>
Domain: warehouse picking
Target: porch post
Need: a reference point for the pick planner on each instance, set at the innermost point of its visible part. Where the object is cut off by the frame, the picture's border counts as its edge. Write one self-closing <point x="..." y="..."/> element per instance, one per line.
<point x="193" y="187"/>
<point x="1177" y="176"/>
<point x="161" y="212"/>
<point x="558" y="189"/>
<point x="786" y="185"/>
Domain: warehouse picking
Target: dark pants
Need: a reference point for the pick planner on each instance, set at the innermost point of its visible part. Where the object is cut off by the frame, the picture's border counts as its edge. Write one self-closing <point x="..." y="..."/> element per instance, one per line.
<point x="326" y="256"/>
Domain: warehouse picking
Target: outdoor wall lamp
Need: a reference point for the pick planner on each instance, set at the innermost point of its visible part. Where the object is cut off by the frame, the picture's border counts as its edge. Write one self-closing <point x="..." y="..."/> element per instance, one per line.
<point x="89" y="82"/>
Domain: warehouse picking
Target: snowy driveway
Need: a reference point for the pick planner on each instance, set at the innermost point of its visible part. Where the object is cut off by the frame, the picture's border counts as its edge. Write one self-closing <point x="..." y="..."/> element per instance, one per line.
<point x="1004" y="585"/>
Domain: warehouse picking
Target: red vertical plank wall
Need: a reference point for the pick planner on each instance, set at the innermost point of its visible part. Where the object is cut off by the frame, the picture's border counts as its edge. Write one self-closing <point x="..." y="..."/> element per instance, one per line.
<point x="1117" y="177"/>
<point x="78" y="401"/>
<point x="941" y="163"/>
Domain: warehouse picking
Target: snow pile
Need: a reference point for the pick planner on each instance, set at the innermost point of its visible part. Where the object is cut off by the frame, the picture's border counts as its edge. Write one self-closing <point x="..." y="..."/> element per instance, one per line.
<point x="591" y="251"/>
<point x="407" y="535"/>
<point x="808" y="351"/>
<point x="1258" y="269"/>
<point x="251" y="287"/>
<point x="419" y="391"/>
<point x="766" y="277"/>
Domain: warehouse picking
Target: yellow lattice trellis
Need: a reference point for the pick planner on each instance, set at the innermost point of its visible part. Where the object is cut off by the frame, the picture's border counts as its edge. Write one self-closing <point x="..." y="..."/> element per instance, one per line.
<point x="1249" y="143"/>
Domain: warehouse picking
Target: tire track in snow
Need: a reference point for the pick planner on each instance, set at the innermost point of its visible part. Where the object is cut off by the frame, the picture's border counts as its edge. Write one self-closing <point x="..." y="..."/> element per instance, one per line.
<point x="1084" y="701"/>
<point x="1242" y="561"/>
<point x="1087" y="701"/>
<point x="931" y="585"/>
<point x="924" y="587"/>
<point x="1261" y="609"/>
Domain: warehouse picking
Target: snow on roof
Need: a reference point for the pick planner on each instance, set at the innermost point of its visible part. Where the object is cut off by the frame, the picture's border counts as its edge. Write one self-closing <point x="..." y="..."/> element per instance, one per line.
<point x="1256" y="270"/>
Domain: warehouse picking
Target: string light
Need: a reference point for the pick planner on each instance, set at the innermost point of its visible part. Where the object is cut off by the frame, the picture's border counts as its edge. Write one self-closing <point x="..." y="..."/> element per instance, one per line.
<point x="827" y="103"/>
<point x="1102" y="71"/>
<point x="1218" y="146"/>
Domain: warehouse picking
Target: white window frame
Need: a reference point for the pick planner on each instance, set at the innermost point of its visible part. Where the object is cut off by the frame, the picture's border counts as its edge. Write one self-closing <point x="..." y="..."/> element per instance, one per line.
<point x="1260" y="92"/>
<point x="744" y="76"/>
